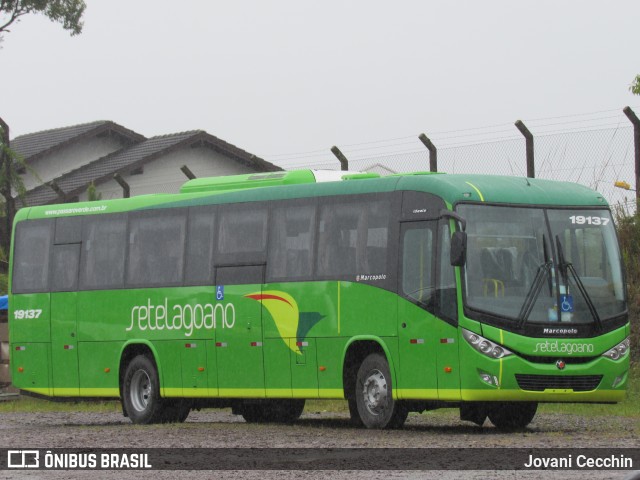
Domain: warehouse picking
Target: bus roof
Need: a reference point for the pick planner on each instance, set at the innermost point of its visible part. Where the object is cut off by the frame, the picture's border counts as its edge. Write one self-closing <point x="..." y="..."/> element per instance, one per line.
<point x="305" y="183"/>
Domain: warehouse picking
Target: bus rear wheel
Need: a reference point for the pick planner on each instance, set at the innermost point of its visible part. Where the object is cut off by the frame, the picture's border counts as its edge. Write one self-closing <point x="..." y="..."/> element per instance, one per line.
<point x="141" y="391"/>
<point x="175" y="411"/>
<point x="512" y="415"/>
<point x="374" y="395"/>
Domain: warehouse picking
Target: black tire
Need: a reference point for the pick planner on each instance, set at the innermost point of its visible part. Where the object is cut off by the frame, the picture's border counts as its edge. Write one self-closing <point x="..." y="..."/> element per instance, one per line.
<point x="512" y="415"/>
<point x="354" y="419"/>
<point x="253" y="413"/>
<point x="175" y="411"/>
<point x="374" y="395"/>
<point x="141" y="391"/>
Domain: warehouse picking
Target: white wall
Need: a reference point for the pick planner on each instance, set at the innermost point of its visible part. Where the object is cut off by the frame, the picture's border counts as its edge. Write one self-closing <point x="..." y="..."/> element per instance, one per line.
<point x="70" y="158"/>
<point x="164" y="175"/>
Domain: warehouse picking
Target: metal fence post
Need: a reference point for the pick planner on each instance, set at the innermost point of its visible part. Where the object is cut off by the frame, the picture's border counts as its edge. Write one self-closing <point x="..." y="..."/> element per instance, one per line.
<point x="531" y="169"/>
<point x="636" y="143"/>
<point x="433" y="152"/>
<point x="344" y="163"/>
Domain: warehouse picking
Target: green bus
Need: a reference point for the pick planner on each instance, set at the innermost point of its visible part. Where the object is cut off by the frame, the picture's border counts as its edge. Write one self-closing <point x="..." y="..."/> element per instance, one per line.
<point x="256" y="292"/>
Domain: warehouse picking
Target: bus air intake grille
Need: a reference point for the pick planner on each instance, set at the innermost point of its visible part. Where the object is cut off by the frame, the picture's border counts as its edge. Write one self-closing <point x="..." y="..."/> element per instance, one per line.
<point x="577" y="383"/>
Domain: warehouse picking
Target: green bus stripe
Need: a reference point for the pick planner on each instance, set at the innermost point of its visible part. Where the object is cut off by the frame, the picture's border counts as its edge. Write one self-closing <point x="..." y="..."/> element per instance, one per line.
<point x="476" y="189"/>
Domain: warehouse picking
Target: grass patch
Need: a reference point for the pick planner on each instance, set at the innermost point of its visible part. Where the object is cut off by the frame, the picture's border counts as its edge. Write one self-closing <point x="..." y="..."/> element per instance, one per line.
<point x="36" y="405"/>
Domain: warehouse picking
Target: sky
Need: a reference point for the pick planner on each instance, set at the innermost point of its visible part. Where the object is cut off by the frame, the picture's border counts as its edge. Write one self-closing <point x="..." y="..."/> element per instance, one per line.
<point x="286" y="78"/>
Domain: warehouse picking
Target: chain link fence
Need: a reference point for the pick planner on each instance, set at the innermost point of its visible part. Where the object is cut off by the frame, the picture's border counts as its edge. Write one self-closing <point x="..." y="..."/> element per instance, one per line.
<point x="595" y="150"/>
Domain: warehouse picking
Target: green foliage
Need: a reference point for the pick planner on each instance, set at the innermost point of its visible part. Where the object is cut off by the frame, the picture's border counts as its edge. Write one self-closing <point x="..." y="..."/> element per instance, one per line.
<point x="16" y="164"/>
<point x="92" y="193"/>
<point x="635" y="86"/>
<point x="628" y="227"/>
<point x="36" y="405"/>
<point x="67" y="12"/>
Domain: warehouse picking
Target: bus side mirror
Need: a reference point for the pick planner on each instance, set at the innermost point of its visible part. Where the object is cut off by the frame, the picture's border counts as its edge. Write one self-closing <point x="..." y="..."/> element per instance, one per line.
<point x="458" y="249"/>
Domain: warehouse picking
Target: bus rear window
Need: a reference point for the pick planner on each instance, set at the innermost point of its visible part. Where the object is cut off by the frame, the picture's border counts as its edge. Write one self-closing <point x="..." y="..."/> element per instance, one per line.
<point x="31" y="256"/>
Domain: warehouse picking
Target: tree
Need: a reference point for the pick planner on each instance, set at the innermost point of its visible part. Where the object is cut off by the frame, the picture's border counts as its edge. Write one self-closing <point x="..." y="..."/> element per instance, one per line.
<point x="635" y="86"/>
<point x="67" y="12"/>
<point x="10" y="180"/>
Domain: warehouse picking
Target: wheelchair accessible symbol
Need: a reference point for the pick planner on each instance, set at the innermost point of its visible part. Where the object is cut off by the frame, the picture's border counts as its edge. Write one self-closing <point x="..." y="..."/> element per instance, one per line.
<point x="220" y="292"/>
<point x="566" y="303"/>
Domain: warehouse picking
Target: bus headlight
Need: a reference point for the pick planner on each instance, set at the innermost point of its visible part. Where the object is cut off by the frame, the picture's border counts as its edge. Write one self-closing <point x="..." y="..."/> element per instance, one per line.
<point x="487" y="347"/>
<point x="618" y="351"/>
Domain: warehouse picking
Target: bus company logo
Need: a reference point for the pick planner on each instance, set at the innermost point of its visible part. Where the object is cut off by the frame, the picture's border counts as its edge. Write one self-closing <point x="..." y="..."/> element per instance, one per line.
<point x="182" y="317"/>
<point x="371" y="278"/>
<point x="560" y="331"/>
<point x="563" y="347"/>
<point x="290" y="322"/>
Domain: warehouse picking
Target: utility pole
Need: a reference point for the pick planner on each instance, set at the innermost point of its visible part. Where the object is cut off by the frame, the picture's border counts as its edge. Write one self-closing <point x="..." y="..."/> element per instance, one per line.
<point x="636" y="144"/>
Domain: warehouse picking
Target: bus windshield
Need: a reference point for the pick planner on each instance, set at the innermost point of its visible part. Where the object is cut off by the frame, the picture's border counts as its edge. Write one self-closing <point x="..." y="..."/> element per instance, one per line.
<point x="542" y="265"/>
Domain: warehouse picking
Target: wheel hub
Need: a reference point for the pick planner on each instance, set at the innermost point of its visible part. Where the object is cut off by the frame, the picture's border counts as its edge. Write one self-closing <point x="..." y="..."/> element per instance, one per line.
<point x="375" y="392"/>
<point x="140" y="390"/>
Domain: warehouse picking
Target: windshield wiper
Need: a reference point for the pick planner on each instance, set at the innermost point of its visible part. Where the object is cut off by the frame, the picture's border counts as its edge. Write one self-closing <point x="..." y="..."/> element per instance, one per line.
<point x="536" y="286"/>
<point x="566" y="268"/>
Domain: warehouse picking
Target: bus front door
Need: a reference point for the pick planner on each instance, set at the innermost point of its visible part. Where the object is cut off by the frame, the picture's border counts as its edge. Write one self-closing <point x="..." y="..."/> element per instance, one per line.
<point x="417" y="335"/>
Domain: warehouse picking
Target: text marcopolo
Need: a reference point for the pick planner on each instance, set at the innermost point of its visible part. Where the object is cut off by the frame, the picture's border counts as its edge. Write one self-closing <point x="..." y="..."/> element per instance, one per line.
<point x="182" y="317"/>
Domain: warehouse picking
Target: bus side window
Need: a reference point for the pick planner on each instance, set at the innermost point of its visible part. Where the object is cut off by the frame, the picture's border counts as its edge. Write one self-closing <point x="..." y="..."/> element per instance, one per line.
<point x="65" y="260"/>
<point x="242" y="234"/>
<point x="103" y="252"/>
<point x="64" y="267"/>
<point x="353" y="238"/>
<point x="418" y="251"/>
<point x="200" y="238"/>
<point x="291" y="242"/>
<point x="31" y="256"/>
<point x="156" y="248"/>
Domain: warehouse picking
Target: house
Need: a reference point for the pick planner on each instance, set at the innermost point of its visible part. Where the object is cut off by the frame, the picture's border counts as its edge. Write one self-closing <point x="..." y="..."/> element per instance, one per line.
<point x="63" y="162"/>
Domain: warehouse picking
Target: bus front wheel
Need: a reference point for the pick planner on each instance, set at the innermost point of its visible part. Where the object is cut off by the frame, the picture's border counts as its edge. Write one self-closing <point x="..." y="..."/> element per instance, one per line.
<point x="512" y="415"/>
<point x="141" y="391"/>
<point x="374" y="396"/>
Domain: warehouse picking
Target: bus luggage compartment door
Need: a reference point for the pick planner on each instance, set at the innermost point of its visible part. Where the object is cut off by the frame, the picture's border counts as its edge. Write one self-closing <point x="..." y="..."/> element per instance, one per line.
<point x="239" y="344"/>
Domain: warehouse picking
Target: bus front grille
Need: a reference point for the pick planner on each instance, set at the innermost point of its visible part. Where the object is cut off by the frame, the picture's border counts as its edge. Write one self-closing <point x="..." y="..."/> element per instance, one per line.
<point x="577" y="383"/>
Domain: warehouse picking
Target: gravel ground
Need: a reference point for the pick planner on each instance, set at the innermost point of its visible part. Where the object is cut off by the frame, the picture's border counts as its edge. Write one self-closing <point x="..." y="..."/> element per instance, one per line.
<point x="220" y="429"/>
